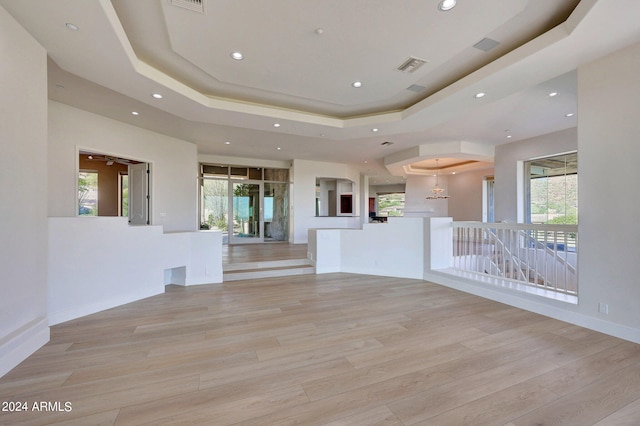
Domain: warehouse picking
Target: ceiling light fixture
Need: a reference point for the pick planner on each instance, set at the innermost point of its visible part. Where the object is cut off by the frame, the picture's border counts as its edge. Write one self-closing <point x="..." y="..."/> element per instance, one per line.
<point x="135" y="113"/>
<point x="157" y="95"/>
<point x="552" y="94"/>
<point x="276" y="124"/>
<point x="237" y="56"/>
<point x="438" y="193"/>
<point x="569" y="115"/>
<point x="479" y="95"/>
<point x="445" y="5"/>
<point x="357" y="84"/>
<point x="72" y="27"/>
<point x="227" y="143"/>
<point x="374" y="129"/>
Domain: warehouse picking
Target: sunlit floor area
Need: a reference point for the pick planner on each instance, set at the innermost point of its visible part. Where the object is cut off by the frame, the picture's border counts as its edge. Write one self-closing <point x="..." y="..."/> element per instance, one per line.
<point x="324" y="349"/>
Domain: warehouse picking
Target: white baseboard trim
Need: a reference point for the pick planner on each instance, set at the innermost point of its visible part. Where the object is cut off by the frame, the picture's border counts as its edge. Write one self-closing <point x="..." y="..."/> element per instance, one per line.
<point x="550" y="308"/>
<point x="23" y="342"/>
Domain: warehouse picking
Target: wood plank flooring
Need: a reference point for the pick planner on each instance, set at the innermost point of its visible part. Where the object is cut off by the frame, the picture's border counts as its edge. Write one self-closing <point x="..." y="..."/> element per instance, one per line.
<point x="332" y="349"/>
<point x="242" y="253"/>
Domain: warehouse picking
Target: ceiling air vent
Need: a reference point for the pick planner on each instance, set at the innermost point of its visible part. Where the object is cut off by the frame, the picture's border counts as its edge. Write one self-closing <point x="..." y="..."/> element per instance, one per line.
<point x="193" y="5"/>
<point x="416" y="88"/>
<point x="486" y="44"/>
<point x="411" y="64"/>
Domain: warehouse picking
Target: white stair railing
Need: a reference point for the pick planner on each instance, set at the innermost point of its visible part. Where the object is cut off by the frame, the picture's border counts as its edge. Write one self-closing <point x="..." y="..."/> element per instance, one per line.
<point x="542" y="256"/>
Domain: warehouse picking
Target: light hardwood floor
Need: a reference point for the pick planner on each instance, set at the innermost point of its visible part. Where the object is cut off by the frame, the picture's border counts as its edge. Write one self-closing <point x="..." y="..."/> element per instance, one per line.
<point x="242" y="253"/>
<point x="338" y="349"/>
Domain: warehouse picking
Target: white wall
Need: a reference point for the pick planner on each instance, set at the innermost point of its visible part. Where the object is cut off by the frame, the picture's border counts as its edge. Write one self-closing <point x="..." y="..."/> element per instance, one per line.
<point x="324" y="249"/>
<point x="417" y="189"/>
<point x="304" y="174"/>
<point x="465" y="190"/>
<point x="393" y="249"/>
<point x="507" y="156"/>
<point x="174" y="164"/>
<point x="608" y="177"/>
<point x="100" y="262"/>
<point x="23" y="183"/>
<point x="372" y="250"/>
<point x="374" y="190"/>
<point x="96" y="263"/>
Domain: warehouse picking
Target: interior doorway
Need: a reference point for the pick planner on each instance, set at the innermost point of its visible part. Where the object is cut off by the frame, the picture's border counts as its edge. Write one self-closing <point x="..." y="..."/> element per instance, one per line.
<point x="247" y="204"/>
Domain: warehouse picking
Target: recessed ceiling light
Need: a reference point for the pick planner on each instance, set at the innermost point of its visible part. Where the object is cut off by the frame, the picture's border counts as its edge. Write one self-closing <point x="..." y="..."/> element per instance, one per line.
<point x="72" y="27"/>
<point x="356" y="84"/>
<point x="237" y="56"/>
<point x="227" y="143"/>
<point x="445" y="5"/>
<point x="157" y="95"/>
<point x="135" y="113"/>
<point x="552" y="94"/>
<point x="453" y="173"/>
<point x="569" y="115"/>
<point x="509" y="136"/>
<point x="276" y="124"/>
<point x="278" y="148"/>
<point x="374" y="130"/>
<point x="479" y="95"/>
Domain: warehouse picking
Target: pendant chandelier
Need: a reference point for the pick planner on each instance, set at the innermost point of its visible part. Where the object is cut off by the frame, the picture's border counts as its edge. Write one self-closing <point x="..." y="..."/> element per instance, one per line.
<point x="438" y="193"/>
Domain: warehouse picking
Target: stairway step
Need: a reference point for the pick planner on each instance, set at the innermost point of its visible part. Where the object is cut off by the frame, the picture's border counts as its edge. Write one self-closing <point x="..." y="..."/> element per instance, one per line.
<point x="265" y="264"/>
<point x="267" y="272"/>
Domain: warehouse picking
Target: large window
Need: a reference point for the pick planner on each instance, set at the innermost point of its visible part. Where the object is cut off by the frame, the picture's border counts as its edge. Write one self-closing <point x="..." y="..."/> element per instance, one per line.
<point x="552" y="189"/>
<point x="391" y="204"/>
<point x="214" y="204"/>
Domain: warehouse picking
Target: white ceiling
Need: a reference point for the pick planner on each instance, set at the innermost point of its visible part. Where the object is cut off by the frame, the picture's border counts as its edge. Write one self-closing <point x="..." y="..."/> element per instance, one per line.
<point x="301" y="57"/>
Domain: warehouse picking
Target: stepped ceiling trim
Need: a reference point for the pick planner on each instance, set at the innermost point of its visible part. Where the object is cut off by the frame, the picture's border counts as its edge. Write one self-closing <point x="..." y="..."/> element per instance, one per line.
<point x="104" y="68"/>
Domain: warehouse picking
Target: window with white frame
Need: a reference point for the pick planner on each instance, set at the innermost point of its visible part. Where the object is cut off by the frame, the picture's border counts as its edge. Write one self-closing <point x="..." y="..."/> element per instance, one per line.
<point x="551" y="189"/>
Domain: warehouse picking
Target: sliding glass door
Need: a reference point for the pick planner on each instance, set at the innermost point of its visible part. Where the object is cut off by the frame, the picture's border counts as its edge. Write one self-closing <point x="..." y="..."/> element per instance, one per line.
<point x="246" y="212"/>
<point x="248" y="204"/>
